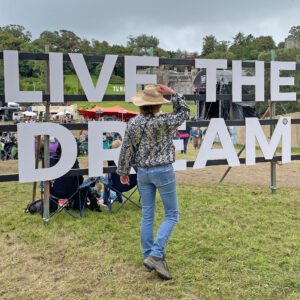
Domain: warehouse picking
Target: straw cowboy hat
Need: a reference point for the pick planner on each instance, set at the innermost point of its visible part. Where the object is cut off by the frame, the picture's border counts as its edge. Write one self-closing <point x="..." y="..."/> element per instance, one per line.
<point x="149" y="96"/>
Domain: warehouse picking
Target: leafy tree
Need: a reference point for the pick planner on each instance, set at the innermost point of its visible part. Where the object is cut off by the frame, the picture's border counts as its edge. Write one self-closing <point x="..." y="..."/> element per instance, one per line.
<point x="69" y="41"/>
<point x="161" y="53"/>
<point x="294" y="32"/>
<point x="142" y="43"/>
<point x="239" y="51"/>
<point x="248" y="47"/>
<point x="17" y="31"/>
<point x="65" y="41"/>
<point x="209" y="45"/>
<point x="100" y="48"/>
<point x="239" y="39"/>
<point x="120" y="50"/>
<point x="222" y="46"/>
<point x="242" y="40"/>
<point x="281" y="45"/>
<point x="178" y="54"/>
<point x="31" y="68"/>
<point x="263" y="43"/>
<point x="49" y="38"/>
<point x="9" y="42"/>
<point x="222" y="55"/>
<point x="85" y="47"/>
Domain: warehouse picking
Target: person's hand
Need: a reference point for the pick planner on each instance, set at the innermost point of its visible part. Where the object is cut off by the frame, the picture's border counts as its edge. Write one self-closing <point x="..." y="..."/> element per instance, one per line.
<point x="165" y="90"/>
<point x="124" y="179"/>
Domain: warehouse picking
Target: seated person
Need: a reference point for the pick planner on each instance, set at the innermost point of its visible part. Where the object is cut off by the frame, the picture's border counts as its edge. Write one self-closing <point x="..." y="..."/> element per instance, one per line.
<point x="113" y="196"/>
<point x="65" y="187"/>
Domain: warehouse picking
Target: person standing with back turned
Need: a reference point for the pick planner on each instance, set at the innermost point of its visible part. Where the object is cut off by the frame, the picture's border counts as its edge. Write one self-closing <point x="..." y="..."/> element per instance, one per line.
<point x="148" y="145"/>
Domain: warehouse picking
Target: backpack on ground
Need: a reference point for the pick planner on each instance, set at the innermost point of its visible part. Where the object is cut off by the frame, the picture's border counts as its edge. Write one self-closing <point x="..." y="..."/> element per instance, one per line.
<point x="34" y="207"/>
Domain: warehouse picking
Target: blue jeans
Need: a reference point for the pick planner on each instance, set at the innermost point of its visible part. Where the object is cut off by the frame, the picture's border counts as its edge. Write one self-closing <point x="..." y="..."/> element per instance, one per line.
<point x="185" y="143"/>
<point x="163" y="179"/>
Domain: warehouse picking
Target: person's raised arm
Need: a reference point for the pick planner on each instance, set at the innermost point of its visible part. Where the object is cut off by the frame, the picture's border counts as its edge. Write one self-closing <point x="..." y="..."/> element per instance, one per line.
<point x="181" y="110"/>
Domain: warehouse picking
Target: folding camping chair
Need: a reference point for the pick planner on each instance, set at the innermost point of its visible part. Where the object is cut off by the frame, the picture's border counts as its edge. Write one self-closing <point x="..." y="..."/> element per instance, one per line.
<point x="68" y="192"/>
<point x="112" y="183"/>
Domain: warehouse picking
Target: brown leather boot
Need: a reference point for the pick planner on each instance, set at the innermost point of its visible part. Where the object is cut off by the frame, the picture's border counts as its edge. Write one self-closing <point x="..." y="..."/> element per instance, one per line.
<point x="157" y="264"/>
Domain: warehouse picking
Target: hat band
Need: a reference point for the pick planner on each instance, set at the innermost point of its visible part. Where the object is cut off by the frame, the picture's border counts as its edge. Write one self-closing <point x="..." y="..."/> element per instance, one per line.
<point x="151" y="94"/>
<point x="152" y="99"/>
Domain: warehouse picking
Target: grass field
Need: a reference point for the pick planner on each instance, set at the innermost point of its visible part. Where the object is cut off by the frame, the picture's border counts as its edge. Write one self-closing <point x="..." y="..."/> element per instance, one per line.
<point x="232" y="242"/>
<point x="72" y="81"/>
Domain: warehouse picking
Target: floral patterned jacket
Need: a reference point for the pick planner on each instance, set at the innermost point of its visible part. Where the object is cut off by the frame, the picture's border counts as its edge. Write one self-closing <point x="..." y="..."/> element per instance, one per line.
<point x="149" y="140"/>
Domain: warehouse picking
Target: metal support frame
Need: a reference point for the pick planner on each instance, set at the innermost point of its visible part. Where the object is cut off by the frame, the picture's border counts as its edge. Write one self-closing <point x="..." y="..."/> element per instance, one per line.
<point x="273" y="164"/>
<point x="272" y="106"/>
<point x="120" y="60"/>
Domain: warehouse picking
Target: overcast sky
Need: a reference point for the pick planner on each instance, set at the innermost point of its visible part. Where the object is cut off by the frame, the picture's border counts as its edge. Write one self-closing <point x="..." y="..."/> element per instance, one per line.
<point x="177" y="24"/>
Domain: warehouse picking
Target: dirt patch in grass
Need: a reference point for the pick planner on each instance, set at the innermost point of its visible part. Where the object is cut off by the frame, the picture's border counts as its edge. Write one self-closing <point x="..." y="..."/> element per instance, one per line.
<point x="288" y="175"/>
<point x="50" y="274"/>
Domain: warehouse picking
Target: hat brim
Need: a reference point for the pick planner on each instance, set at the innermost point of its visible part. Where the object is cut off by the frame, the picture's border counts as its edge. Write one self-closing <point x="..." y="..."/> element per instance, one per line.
<point x="139" y="99"/>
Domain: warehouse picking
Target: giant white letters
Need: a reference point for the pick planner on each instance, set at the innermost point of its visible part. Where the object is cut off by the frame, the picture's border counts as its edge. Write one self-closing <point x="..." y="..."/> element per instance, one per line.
<point x="211" y="66"/>
<point x="56" y="75"/>
<point x="11" y="80"/>
<point x="238" y="80"/>
<point x="26" y="151"/>
<point x="132" y="78"/>
<point x="93" y="93"/>
<point x="254" y="130"/>
<point x="277" y="81"/>
<point x="216" y="126"/>
<point x="13" y="93"/>
<point x="96" y="152"/>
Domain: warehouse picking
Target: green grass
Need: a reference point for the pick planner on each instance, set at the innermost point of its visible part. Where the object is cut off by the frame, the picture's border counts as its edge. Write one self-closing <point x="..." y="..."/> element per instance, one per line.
<point x="232" y="242"/>
<point x="72" y="81"/>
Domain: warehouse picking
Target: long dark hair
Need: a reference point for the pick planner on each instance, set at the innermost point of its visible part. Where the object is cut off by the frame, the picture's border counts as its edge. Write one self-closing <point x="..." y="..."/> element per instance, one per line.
<point x="147" y="110"/>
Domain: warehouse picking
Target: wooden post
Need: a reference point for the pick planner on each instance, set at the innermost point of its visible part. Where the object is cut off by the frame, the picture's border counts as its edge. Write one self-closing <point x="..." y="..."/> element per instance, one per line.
<point x="46" y="145"/>
<point x="37" y="157"/>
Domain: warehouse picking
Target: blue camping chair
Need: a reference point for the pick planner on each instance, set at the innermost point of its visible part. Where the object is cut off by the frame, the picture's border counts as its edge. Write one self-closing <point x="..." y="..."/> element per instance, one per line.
<point x="112" y="183"/>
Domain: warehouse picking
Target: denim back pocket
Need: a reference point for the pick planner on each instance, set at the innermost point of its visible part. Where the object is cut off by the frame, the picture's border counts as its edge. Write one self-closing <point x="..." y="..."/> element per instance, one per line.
<point x="163" y="175"/>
